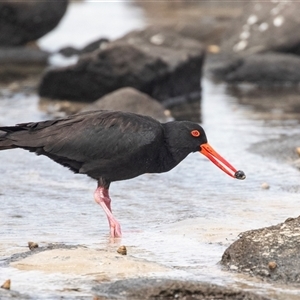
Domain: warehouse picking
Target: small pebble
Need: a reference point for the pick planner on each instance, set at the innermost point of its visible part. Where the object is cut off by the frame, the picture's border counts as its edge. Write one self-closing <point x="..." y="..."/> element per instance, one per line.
<point x="272" y="265"/>
<point x="265" y="186"/>
<point x="213" y="49"/>
<point x="6" y="285"/>
<point x="122" y="250"/>
<point x="32" y="245"/>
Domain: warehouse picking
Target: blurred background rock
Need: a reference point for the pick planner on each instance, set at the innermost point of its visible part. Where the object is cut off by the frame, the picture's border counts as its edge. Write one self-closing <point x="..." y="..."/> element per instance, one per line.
<point x="173" y="27"/>
<point x="245" y="42"/>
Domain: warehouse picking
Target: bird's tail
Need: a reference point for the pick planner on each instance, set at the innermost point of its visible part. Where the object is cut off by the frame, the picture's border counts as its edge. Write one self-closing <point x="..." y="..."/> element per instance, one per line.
<point x="5" y="138"/>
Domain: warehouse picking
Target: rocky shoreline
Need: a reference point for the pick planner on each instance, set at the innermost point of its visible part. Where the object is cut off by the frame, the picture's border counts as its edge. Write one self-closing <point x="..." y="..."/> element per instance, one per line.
<point x="157" y="71"/>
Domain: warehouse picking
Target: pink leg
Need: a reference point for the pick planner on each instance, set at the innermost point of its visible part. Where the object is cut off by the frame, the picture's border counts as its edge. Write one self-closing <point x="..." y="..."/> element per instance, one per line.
<point x="102" y="197"/>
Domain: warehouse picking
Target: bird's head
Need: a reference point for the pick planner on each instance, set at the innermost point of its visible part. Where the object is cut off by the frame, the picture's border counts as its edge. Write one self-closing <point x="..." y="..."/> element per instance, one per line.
<point x="192" y="138"/>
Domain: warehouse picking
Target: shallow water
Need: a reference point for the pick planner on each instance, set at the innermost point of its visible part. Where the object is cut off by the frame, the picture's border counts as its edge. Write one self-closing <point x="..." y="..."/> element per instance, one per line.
<point x="183" y="219"/>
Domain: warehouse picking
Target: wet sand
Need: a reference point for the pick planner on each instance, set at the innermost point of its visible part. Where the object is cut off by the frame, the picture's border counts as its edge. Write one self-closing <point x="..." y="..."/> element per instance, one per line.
<point x="101" y="264"/>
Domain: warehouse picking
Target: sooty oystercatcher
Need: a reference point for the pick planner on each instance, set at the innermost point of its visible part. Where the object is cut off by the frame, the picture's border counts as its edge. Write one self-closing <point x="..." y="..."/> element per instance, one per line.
<point x="111" y="145"/>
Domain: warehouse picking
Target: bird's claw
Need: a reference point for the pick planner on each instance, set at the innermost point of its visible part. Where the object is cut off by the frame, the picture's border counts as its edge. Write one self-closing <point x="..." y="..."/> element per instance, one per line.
<point x="115" y="230"/>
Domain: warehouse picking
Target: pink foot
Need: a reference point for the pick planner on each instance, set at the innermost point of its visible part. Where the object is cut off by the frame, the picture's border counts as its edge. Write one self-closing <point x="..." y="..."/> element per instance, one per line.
<point x="102" y="197"/>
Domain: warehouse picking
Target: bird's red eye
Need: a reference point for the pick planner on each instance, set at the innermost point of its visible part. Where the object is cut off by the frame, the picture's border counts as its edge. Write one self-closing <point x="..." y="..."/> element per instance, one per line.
<point x="195" y="133"/>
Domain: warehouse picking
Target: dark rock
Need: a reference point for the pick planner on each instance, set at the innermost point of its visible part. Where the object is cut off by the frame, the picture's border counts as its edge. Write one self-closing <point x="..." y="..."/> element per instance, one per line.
<point x="69" y="51"/>
<point x="169" y="289"/>
<point x="264" y="26"/>
<point x="20" y="62"/>
<point x="25" y="21"/>
<point x="163" y="65"/>
<point x="100" y="73"/>
<point x="256" y="249"/>
<point x="131" y="100"/>
<point x="262" y="69"/>
<point x="96" y="45"/>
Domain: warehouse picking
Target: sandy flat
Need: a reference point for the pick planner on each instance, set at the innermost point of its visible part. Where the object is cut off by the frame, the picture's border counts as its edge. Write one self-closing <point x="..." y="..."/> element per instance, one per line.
<point x="103" y="264"/>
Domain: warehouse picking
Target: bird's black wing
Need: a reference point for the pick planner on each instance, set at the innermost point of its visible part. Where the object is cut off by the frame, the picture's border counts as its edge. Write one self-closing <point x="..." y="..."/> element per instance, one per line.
<point x="86" y="137"/>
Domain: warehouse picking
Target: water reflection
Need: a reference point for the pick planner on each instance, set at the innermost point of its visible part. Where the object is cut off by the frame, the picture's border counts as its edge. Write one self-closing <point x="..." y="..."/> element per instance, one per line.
<point x="269" y="103"/>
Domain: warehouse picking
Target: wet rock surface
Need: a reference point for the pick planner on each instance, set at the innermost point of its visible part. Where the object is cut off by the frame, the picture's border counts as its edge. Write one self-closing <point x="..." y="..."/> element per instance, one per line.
<point x="93" y="46"/>
<point x="282" y="149"/>
<point x="23" y="21"/>
<point x="162" y="64"/>
<point x="169" y="289"/>
<point x="20" y="62"/>
<point x="131" y="100"/>
<point x="276" y="105"/>
<point x="264" y="26"/>
<point x="262" y="69"/>
<point x="261" y="46"/>
<point x="270" y="253"/>
<point x="201" y="20"/>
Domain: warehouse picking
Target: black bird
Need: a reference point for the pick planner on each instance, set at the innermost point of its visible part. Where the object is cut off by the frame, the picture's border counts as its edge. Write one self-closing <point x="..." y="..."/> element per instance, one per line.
<point x="111" y="145"/>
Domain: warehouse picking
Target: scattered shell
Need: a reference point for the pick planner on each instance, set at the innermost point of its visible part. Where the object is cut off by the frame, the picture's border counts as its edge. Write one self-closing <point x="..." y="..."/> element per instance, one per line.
<point x="263" y="26"/>
<point x="272" y="265"/>
<point x="122" y="250"/>
<point x="157" y="39"/>
<point x="6" y="285"/>
<point x="265" y="186"/>
<point x="252" y="19"/>
<point x="278" y="21"/>
<point x="244" y="35"/>
<point x="241" y="45"/>
<point x="298" y="150"/>
<point x="32" y="245"/>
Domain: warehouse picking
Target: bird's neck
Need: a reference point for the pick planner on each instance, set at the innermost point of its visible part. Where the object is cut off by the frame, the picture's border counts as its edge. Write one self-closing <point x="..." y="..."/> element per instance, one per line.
<point x="176" y="151"/>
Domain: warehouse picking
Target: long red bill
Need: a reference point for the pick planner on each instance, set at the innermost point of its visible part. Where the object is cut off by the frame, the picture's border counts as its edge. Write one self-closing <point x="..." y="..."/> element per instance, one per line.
<point x="220" y="162"/>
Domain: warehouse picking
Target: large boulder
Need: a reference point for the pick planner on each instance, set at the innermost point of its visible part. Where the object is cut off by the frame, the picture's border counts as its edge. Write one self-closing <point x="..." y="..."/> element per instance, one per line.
<point x="130" y="100"/>
<point x="271" y="253"/>
<point x="264" y="26"/>
<point x="25" y="21"/>
<point x="162" y="64"/>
